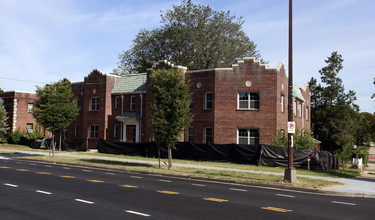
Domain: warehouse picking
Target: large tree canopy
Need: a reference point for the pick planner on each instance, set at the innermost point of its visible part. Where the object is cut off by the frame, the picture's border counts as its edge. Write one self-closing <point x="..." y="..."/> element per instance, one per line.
<point x="334" y="114"/>
<point x="191" y="35"/>
<point x="3" y="119"/>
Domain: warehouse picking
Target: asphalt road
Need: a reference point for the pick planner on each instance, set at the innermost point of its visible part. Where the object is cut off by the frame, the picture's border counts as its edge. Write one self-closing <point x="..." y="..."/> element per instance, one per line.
<point x="34" y="190"/>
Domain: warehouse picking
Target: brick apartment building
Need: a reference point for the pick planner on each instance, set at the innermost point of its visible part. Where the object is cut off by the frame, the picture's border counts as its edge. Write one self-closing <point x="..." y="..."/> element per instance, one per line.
<point x="244" y="104"/>
<point x="19" y="107"/>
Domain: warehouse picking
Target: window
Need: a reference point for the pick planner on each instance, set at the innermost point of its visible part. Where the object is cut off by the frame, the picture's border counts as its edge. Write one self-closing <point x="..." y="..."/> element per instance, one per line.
<point x="248" y="100"/>
<point x="282" y="103"/>
<point x="300" y="110"/>
<point x="30" y="108"/>
<point x="295" y="108"/>
<point x="248" y="136"/>
<point x="189" y="134"/>
<point x="94" y="131"/>
<point x="132" y="103"/>
<point x="115" y="131"/>
<point x="76" y="127"/>
<point x="307" y="114"/>
<point x="208" y="100"/>
<point x="117" y="102"/>
<point x="29" y="128"/>
<point x="94" y="105"/>
<point x="207" y="135"/>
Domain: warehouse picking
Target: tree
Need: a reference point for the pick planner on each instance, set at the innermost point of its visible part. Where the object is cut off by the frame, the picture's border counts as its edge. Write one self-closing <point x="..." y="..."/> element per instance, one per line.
<point x="302" y="139"/>
<point x="373" y="95"/>
<point x="55" y="107"/>
<point x="334" y="114"/>
<point x="3" y="120"/>
<point x="170" y="112"/>
<point x="191" y="35"/>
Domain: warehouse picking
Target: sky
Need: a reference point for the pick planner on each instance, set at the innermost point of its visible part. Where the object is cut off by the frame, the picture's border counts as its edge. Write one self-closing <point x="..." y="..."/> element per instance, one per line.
<point x="43" y="41"/>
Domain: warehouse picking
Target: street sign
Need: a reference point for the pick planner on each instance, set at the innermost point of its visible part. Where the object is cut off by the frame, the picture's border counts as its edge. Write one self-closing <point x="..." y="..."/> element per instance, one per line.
<point x="308" y="159"/>
<point x="291" y="127"/>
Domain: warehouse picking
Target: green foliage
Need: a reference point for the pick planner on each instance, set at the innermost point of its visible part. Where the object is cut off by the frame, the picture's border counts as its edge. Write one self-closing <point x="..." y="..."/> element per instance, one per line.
<point x="302" y="139"/>
<point x="3" y="118"/>
<point x="56" y="106"/>
<point x="192" y="35"/>
<point x="366" y="129"/>
<point x="170" y="113"/>
<point x="334" y="115"/>
<point x="348" y="153"/>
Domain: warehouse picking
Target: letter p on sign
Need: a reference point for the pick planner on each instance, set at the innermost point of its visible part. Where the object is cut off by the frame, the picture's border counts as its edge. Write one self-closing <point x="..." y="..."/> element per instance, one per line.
<point x="291" y="127"/>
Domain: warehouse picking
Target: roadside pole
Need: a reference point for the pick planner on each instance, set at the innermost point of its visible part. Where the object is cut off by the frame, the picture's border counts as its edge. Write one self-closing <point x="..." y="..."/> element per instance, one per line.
<point x="290" y="175"/>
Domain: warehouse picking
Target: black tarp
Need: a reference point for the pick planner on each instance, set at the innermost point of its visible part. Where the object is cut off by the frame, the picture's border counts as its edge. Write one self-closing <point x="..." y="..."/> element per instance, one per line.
<point x="66" y="145"/>
<point x="236" y="153"/>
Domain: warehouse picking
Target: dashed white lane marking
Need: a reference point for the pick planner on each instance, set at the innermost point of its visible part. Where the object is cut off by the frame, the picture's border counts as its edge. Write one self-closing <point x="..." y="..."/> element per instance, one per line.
<point x="137" y="213"/>
<point x="112" y="174"/>
<point x="89" y="171"/>
<point x="289" y="196"/>
<point x="167" y="181"/>
<point x="18" y="162"/>
<point x="33" y="164"/>
<point x="43" y="192"/>
<point x="194" y="184"/>
<point x="11" y="185"/>
<point x="241" y="190"/>
<point x="84" y="201"/>
<point x="47" y="165"/>
<point x="136" y="177"/>
<point x="66" y="168"/>
<point x="343" y="203"/>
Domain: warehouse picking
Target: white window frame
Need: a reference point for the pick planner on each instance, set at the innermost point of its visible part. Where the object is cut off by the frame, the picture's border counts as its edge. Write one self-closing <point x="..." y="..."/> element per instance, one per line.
<point x="117" y="102"/>
<point x="249" y="102"/>
<point x="94" y="133"/>
<point x="295" y="107"/>
<point x="307" y="113"/>
<point x="76" y="127"/>
<point x="28" y="129"/>
<point x="116" y="131"/>
<point x="249" y="136"/>
<point x="132" y="103"/>
<point x="206" y="136"/>
<point x="208" y="101"/>
<point x="300" y="110"/>
<point x="94" y="103"/>
<point x="30" y="107"/>
<point x="282" y="100"/>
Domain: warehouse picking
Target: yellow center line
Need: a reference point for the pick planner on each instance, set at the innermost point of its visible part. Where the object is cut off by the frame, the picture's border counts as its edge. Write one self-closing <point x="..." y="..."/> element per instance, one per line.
<point x="22" y="170"/>
<point x="67" y="176"/>
<point x="168" y="192"/>
<point x="276" y="209"/>
<point x="95" y="181"/>
<point x="215" y="200"/>
<point x="128" y="186"/>
<point x="4" y="167"/>
<point x="43" y="173"/>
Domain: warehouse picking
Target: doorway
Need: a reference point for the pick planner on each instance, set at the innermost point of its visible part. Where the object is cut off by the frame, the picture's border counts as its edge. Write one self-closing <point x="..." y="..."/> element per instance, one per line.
<point x="131" y="133"/>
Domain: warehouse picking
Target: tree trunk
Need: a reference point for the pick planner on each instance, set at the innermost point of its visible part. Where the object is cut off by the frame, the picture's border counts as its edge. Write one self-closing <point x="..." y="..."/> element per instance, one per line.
<point x="53" y="145"/>
<point x="169" y="158"/>
<point x="60" y="143"/>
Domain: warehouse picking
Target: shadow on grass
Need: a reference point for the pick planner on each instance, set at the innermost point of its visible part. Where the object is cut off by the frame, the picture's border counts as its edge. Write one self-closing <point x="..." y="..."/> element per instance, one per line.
<point x="114" y="163"/>
<point x="340" y="173"/>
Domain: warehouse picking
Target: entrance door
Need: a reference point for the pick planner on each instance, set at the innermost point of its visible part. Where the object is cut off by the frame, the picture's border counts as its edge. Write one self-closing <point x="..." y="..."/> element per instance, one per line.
<point x="131" y="133"/>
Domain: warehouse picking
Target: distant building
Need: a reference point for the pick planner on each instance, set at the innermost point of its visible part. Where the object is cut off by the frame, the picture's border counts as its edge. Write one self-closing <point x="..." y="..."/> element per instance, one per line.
<point x="19" y="107"/>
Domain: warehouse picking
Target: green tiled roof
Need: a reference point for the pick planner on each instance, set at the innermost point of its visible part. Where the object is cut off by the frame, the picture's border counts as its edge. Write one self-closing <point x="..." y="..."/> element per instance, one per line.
<point x="129" y="115"/>
<point x="297" y="93"/>
<point x="131" y="84"/>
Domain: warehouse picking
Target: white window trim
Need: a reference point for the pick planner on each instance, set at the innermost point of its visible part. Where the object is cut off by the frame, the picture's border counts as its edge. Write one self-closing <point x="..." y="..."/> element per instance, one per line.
<point x="248" y="135"/>
<point x="117" y="102"/>
<point x="96" y="131"/>
<point x="30" y="110"/>
<point x="282" y="101"/>
<point x="249" y="101"/>
<point x="97" y="104"/>
<point x="131" y="107"/>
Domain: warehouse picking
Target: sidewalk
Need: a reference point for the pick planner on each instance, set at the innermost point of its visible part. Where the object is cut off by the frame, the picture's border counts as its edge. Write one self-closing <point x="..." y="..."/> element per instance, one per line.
<point x="361" y="186"/>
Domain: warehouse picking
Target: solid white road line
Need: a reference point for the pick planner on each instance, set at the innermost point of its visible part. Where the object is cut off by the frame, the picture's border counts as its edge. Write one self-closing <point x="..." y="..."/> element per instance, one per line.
<point x="11" y="185"/>
<point x="137" y="213"/>
<point x="167" y="181"/>
<point x="89" y="171"/>
<point x="136" y="177"/>
<point x="43" y="192"/>
<point x="343" y="203"/>
<point x="194" y="184"/>
<point x="18" y="162"/>
<point x="33" y="164"/>
<point x="112" y="174"/>
<point x="47" y="165"/>
<point x="66" y="168"/>
<point x="241" y="190"/>
<point x="289" y="196"/>
<point x="84" y="201"/>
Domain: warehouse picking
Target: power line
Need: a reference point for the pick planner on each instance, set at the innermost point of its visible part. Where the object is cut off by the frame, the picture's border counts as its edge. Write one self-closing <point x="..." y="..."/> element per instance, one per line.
<point x="21" y="80"/>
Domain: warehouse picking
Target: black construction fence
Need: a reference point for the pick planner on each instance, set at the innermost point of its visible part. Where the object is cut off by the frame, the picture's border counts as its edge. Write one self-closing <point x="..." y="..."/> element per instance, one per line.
<point x="235" y="153"/>
<point x="66" y="144"/>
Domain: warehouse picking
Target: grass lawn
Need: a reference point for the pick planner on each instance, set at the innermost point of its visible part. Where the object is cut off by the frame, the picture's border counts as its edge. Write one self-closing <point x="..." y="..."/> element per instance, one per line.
<point x="191" y="172"/>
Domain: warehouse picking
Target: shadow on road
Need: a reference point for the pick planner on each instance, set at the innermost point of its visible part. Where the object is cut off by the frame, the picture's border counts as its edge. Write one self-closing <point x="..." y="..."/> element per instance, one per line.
<point x="116" y="163"/>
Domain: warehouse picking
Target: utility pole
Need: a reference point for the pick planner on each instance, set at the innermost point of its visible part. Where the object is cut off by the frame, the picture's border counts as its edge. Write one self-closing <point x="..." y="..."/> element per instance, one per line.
<point x="290" y="172"/>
